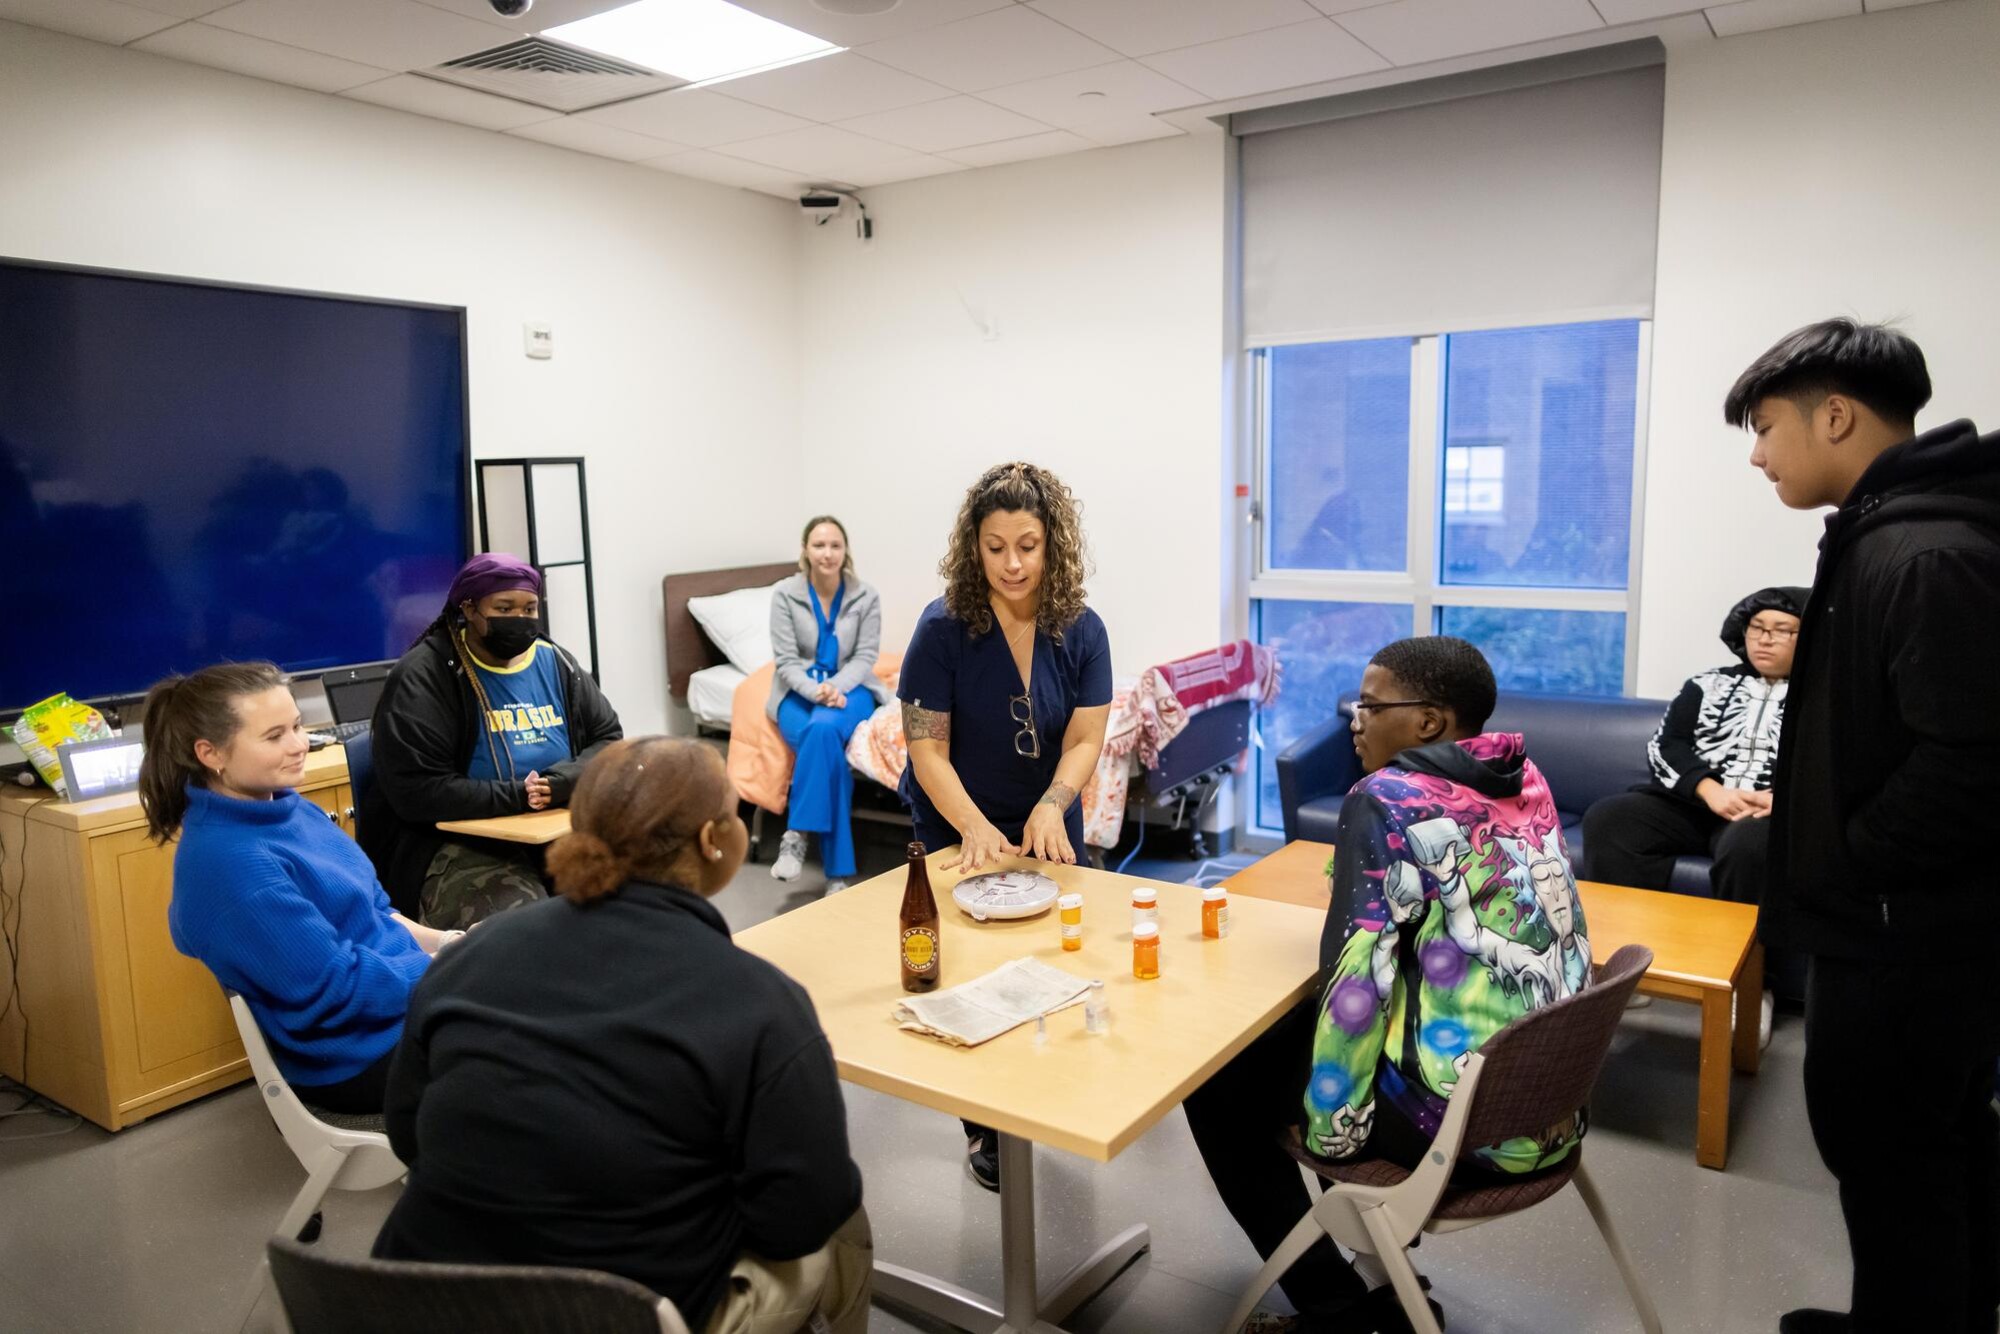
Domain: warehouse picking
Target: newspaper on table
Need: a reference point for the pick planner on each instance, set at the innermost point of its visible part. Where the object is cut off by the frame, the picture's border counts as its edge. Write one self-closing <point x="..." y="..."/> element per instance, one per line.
<point x="984" y="1008"/>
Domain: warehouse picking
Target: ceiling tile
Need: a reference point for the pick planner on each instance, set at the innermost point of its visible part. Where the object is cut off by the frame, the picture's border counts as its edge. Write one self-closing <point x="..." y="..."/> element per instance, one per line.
<point x="444" y="101"/>
<point x="587" y="136"/>
<point x="1262" y="62"/>
<point x="389" y="34"/>
<point x="913" y="167"/>
<point x="836" y="87"/>
<point x="1410" y="32"/>
<point x="1005" y="46"/>
<point x="182" y="9"/>
<point x="954" y="122"/>
<point x="1053" y="144"/>
<point x="694" y="116"/>
<point x="1126" y="130"/>
<point x="1757" y="15"/>
<point x="859" y="29"/>
<point x="822" y="151"/>
<point x="200" y="44"/>
<point x="1639" y="11"/>
<point x="546" y="13"/>
<point x="723" y="170"/>
<point x="1102" y="93"/>
<point x="99" y="20"/>
<point x="1141" y="27"/>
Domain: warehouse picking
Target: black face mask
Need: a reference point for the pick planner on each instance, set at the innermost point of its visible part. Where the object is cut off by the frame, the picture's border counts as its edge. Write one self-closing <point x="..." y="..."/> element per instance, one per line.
<point x="511" y="636"/>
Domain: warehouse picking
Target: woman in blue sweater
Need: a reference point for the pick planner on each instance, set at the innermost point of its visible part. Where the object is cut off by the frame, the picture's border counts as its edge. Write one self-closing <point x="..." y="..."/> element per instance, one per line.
<point x="279" y="904"/>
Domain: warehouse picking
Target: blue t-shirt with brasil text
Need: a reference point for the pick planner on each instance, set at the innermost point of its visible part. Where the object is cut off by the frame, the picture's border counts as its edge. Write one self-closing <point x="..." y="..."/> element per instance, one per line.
<point x="526" y="718"/>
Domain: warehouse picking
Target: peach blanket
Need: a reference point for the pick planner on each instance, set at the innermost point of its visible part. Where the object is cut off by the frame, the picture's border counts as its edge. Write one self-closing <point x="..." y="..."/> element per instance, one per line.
<point x="760" y="763"/>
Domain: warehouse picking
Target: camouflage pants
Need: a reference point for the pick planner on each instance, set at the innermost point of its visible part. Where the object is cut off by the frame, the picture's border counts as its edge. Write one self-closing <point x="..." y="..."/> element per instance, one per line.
<point x="466" y="884"/>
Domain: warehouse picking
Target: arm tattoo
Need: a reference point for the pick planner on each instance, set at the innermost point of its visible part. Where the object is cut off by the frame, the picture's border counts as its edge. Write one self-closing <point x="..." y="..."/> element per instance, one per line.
<point x="921" y="724"/>
<point x="1059" y="795"/>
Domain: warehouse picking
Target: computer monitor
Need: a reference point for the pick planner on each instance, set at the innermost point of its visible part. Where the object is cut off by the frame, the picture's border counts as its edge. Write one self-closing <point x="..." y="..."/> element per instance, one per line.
<point x="101" y="768"/>
<point x="351" y="692"/>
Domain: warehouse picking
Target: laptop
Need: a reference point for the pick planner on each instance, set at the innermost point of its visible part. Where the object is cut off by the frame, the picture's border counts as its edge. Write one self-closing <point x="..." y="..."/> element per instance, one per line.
<point x="351" y="693"/>
<point x="101" y="768"/>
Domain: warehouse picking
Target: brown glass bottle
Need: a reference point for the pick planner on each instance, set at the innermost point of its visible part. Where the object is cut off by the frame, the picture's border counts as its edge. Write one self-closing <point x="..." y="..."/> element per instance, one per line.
<point x="918" y="945"/>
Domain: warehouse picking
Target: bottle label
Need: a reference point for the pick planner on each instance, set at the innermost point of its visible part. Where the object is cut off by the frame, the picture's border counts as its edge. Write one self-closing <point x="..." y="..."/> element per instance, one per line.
<point x="1222" y="920"/>
<point x="920" y="950"/>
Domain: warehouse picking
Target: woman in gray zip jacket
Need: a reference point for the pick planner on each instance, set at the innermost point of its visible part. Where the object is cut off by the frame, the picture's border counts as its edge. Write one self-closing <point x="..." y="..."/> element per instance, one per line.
<point x="826" y="629"/>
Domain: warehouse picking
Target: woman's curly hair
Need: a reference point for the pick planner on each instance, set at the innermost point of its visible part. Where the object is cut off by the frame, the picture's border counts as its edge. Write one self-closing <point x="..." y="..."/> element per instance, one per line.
<point x="1028" y="489"/>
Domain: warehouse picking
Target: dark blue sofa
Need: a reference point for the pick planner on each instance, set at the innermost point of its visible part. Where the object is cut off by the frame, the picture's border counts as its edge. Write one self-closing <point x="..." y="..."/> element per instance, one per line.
<point x="1586" y="747"/>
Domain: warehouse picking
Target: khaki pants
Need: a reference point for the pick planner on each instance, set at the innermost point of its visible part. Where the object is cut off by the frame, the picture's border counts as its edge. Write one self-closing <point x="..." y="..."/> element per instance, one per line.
<point x="826" y="1292"/>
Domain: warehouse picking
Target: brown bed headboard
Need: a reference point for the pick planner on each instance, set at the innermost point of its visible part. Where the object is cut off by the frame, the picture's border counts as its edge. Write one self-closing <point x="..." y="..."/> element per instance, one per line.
<point x="689" y="649"/>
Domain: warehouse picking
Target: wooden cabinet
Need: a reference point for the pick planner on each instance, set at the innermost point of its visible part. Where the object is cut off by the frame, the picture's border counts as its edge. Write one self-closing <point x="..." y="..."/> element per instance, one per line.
<point x="112" y="1021"/>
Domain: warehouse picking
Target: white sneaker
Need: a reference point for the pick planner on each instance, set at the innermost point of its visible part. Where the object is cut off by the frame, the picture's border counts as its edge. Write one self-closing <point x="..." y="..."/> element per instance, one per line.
<point x="1764" y="1010"/>
<point x="791" y="856"/>
<point x="835" y="886"/>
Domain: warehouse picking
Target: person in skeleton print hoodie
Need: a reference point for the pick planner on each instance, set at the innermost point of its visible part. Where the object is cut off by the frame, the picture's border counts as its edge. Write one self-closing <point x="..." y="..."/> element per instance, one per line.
<point x="1712" y="760"/>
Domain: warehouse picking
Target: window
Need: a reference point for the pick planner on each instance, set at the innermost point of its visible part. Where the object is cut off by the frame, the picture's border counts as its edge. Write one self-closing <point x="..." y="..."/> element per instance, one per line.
<point x="1476" y="484"/>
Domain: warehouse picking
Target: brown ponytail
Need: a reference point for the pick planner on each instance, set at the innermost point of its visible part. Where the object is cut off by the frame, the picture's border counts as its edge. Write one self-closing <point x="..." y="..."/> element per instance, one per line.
<point x="180" y="711"/>
<point x="637" y="813"/>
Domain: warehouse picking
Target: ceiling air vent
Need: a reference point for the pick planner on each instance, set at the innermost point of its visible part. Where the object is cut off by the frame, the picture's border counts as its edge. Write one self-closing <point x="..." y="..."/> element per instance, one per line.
<point x="549" y="74"/>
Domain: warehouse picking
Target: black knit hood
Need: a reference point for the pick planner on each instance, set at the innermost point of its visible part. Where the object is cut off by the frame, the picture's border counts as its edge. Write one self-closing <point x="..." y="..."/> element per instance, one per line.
<point x="1785" y="598"/>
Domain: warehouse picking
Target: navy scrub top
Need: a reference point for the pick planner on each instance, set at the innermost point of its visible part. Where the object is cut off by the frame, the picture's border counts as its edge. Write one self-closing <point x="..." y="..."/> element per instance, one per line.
<point x="951" y="670"/>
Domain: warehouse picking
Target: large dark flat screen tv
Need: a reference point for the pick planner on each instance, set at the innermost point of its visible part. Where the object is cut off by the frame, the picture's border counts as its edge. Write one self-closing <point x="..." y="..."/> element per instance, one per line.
<point x="192" y="472"/>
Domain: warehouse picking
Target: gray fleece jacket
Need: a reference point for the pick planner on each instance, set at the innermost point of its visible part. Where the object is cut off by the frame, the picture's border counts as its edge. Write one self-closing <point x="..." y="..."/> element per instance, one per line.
<point x="795" y="640"/>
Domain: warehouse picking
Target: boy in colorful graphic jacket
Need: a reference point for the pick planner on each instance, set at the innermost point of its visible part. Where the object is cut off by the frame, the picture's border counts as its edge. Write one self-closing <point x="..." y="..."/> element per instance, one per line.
<point x="1454" y="913"/>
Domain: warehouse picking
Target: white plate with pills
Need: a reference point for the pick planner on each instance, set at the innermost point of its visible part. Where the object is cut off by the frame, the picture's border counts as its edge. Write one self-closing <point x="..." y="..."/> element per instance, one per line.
<point x="1005" y="895"/>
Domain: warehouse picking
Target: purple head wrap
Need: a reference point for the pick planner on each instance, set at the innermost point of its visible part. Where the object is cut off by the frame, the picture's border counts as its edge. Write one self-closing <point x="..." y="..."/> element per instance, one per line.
<point x="492" y="572"/>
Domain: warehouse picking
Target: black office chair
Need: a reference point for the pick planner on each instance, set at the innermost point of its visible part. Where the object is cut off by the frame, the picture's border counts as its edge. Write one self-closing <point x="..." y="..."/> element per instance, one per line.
<point x="360" y="772"/>
<point x="323" y="1295"/>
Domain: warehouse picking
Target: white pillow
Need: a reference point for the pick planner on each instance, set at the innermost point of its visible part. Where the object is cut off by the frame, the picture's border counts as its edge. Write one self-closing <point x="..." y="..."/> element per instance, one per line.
<point x="740" y="624"/>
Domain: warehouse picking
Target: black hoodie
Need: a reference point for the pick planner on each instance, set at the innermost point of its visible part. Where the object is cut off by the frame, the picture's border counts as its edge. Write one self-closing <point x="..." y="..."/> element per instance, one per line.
<point x="1724" y="723"/>
<point x="426" y="724"/>
<point x="1889" y="760"/>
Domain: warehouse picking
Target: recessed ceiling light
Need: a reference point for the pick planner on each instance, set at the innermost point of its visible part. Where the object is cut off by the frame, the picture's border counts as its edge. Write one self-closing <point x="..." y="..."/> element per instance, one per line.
<point x="697" y="40"/>
<point x="856" y="6"/>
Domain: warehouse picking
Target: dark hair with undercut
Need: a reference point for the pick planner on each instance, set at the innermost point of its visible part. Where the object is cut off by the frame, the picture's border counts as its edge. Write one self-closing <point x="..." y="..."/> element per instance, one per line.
<point x="1876" y="366"/>
<point x="1445" y="671"/>
<point x="180" y="711"/>
<point x="637" y="814"/>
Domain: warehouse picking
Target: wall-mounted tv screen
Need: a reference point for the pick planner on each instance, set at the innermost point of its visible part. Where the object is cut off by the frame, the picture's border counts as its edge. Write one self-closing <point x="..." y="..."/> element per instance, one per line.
<point x="192" y="472"/>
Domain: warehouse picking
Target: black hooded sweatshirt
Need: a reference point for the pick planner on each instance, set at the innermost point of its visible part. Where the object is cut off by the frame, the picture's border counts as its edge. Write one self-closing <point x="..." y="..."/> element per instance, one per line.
<point x="1725" y="722"/>
<point x="1889" y="761"/>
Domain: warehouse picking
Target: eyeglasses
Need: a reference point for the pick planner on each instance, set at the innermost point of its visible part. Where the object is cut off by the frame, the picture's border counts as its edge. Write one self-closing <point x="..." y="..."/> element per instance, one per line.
<point x="1371" y="705"/>
<point x="1021" y="708"/>
<point x="1770" y="636"/>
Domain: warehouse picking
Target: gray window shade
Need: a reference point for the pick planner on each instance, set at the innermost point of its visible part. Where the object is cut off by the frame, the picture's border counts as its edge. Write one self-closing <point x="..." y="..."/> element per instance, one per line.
<point x="1531" y="205"/>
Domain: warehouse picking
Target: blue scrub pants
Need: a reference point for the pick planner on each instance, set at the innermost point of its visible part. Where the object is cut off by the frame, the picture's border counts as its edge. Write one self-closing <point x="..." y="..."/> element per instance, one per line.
<point x="822" y="799"/>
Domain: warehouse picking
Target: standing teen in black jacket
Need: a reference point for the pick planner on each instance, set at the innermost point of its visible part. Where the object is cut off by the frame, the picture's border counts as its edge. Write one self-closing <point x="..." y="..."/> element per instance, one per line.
<point x="482" y="717"/>
<point x="1888" y="774"/>
<point x="608" y="1082"/>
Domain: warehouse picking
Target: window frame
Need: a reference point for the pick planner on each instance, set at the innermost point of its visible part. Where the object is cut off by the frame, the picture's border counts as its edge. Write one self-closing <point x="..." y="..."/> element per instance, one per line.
<point x="1419" y="584"/>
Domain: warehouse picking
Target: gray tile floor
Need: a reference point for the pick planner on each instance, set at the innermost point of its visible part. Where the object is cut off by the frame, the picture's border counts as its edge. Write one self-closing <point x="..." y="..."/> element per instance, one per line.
<point x="157" y="1228"/>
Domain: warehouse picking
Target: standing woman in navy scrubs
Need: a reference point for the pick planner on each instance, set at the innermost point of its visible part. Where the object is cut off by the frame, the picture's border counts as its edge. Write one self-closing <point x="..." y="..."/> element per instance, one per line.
<point x="1006" y="690"/>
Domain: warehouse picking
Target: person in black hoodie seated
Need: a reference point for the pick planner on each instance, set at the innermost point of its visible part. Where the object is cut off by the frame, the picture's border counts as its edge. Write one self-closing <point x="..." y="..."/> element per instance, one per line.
<point x="605" y="1081"/>
<point x="482" y="717"/>
<point x="1888" y="766"/>
<point x="1712" y="759"/>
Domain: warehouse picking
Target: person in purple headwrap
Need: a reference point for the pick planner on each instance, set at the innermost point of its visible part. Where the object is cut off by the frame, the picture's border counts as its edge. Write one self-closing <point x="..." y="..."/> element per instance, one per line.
<point x="484" y="716"/>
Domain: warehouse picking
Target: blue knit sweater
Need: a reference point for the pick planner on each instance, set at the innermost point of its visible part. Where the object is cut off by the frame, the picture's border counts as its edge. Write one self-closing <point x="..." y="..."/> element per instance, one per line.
<point x="285" y="909"/>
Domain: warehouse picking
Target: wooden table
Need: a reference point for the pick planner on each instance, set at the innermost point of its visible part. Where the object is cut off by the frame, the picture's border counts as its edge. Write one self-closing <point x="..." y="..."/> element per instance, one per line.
<point x="527" y="827"/>
<point x="1091" y="1095"/>
<point x="1704" y="951"/>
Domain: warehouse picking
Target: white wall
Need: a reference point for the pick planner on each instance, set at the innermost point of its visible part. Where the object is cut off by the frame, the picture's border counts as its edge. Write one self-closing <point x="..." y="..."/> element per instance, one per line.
<point x="1833" y="168"/>
<point x="672" y="300"/>
<point x="1100" y="277"/>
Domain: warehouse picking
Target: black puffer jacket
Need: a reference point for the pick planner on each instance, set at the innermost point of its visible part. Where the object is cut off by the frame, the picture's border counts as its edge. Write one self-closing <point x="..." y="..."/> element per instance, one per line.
<point x="426" y="724"/>
<point x="1889" y="763"/>
<point x="1724" y="724"/>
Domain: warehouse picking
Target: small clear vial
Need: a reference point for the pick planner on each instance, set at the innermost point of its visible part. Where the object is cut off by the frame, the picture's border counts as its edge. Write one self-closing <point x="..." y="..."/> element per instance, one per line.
<point x="1096" y="1010"/>
<point x="1042" y="1029"/>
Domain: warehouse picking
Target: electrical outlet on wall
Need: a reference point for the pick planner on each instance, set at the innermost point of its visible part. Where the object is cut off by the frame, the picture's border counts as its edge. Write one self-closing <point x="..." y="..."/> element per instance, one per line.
<point x="540" y="341"/>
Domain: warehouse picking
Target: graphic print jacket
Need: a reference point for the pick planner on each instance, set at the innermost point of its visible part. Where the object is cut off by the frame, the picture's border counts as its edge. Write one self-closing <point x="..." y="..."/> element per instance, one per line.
<point x="1724" y="723"/>
<point x="1454" y="912"/>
